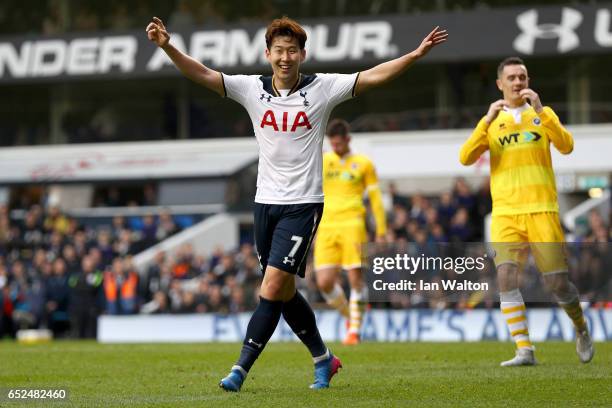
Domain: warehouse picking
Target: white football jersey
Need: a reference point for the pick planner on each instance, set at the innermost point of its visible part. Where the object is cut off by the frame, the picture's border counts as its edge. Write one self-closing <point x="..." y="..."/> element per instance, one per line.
<point x="290" y="131"/>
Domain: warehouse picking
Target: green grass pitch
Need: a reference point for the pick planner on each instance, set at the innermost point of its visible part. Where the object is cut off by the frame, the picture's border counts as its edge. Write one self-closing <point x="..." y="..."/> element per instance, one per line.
<point x="374" y="375"/>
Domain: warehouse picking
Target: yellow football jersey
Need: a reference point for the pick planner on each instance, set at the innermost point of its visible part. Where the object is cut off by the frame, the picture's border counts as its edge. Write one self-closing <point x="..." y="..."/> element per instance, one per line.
<point x="522" y="177"/>
<point x="345" y="179"/>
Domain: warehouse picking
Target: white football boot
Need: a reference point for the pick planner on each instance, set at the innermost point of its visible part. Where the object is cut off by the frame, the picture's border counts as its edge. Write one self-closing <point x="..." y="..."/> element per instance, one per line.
<point x="584" y="346"/>
<point x="523" y="357"/>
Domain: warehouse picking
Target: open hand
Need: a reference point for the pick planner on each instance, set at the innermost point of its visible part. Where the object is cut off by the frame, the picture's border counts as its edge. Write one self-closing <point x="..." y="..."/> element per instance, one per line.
<point x="436" y="37"/>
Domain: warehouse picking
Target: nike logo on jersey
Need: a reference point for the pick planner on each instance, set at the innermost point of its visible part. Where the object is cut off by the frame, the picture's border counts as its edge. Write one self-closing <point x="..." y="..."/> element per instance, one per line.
<point x="300" y="120"/>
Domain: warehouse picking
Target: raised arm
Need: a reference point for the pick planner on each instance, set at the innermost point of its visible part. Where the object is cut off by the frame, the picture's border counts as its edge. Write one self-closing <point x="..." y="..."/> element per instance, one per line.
<point x="476" y="144"/>
<point x="387" y="71"/>
<point x="190" y="67"/>
<point x="560" y="137"/>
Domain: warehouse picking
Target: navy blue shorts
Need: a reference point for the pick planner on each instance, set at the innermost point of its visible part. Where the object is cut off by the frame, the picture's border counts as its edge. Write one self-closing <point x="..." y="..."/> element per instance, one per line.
<point x="283" y="234"/>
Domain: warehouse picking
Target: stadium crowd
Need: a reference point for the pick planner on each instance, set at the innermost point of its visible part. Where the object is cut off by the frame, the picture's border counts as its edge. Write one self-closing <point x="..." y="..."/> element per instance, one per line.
<point x="51" y="17"/>
<point x="59" y="273"/>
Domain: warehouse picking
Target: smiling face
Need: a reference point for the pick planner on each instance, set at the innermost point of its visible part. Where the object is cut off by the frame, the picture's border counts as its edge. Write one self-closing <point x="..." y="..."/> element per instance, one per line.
<point x="512" y="79"/>
<point x="285" y="57"/>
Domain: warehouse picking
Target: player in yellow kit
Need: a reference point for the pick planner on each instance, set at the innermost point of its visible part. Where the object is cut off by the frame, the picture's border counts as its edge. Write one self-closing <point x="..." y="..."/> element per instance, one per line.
<point x="342" y="232"/>
<point x="518" y="131"/>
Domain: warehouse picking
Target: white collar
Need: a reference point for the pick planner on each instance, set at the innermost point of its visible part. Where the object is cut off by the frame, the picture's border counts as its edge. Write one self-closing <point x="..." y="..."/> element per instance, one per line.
<point x="516" y="112"/>
<point x="519" y="109"/>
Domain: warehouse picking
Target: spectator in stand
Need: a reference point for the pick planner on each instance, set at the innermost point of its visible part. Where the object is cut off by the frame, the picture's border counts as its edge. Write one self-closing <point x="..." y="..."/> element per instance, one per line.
<point x="417" y="208"/>
<point x="431" y="216"/>
<point x="399" y="221"/>
<point x="57" y="298"/>
<point x="149" y="195"/>
<point x="55" y="244"/>
<point x="216" y="300"/>
<point x="70" y="257"/>
<point x="188" y="303"/>
<point x="460" y="228"/>
<point x="118" y="224"/>
<point x="208" y="14"/>
<point x="84" y="308"/>
<point x="597" y="230"/>
<point x="21" y="297"/>
<point x="225" y="269"/>
<point x="396" y="197"/>
<point x="120" y="18"/>
<point x="150" y="280"/>
<point x="215" y="257"/>
<point x="463" y="195"/>
<point x="6" y="311"/>
<point x="238" y="303"/>
<point x="124" y="245"/>
<point x="437" y="234"/>
<point x="446" y="209"/>
<point x="5" y="226"/>
<point x="56" y="221"/>
<point x="175" y="294"/>
<point x="105" y="246"/>
<point x="120" y="288"/>
<point x="166" y="226"/>
<point x="31" y="233"/>
<point x="53" y="23"/>
<point x="202" y="295"/>
<point x="86" y="20"/>
<point x="182" y="17"/>
<point x="81" y="244"/>
<point x="149" y="231"/>
<point x="183" y="268"/>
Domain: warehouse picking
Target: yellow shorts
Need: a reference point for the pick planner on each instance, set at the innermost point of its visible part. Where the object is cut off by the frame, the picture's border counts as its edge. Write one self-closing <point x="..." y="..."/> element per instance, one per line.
<point x="513" y="235"/>
<point x="339" y="246"/>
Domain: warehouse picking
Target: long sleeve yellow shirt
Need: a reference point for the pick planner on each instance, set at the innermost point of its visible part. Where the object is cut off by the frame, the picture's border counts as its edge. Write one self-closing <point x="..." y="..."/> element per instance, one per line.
<point x="522" y="177"/>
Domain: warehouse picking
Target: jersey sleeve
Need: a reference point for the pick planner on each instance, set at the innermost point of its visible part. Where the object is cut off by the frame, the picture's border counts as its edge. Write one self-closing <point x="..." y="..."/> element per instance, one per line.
<point x="237" y="87"/>
<point x="476" y="144"/>
<point x="560" y="137"/>
<point x="339" y="87"/>
<point x="375" y="196"/>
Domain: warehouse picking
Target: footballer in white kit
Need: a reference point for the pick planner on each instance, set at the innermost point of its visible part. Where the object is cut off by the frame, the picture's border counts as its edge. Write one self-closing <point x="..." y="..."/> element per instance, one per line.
<point x="289" y="112"/>
<point x="289" y="126"/>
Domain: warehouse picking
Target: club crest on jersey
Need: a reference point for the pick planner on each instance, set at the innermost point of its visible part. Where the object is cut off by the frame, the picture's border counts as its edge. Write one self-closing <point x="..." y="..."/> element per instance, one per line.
<point x="303" y="95"/>
<point x="300" y="120"/>
<point x="537" y="121"/>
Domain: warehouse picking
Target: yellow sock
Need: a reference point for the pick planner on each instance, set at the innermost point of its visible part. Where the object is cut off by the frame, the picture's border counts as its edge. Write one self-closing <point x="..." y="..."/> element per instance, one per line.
<point x="574" y="311"/>
<point x="337" y="299"/>
<point x="356" y="309"/>
<point x="514" y="312"/>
